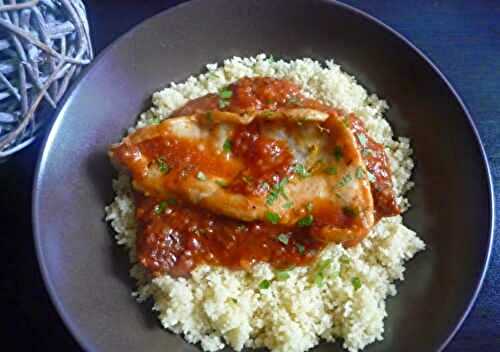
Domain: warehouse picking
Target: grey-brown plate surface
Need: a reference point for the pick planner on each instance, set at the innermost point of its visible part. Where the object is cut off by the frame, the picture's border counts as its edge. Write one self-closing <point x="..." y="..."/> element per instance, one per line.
<point x="87" y="275"/>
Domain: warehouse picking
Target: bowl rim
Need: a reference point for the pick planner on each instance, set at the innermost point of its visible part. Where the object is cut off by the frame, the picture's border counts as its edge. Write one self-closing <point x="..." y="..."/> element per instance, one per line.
<point x="69" y="96"/>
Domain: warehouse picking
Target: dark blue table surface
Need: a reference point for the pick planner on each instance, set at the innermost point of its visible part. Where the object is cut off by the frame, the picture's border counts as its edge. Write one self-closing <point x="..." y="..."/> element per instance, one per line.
<point x="462" y="37"/>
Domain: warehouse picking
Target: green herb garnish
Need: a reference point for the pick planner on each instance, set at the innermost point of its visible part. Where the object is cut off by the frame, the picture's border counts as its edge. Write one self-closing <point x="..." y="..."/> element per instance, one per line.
<point x="277" y="190"/>
<point x="356" y="283"/>
<point x="242" y="228"/>
<point x="300" y="248"/>
<point x="309" y="207"/>
<point x="320" y="275"/>
<point x="288" y="205"/>
<point x="337" y="152"/>
<point x="324" y="264"/>
<point x="273" y="218"/>
<point x="225" y="97"/>
<point x="264" y="284"/>
<point x="318" y="279"/>
<point x="227" y="146"/>
<point x="226" y="93"/>
<point x="247" y="179"/>
<point x="200" y="175"/>
<point x="362" y="139"/>
<point x="306" y="221"/>
<point x="282" y="275"/>
<point x="371" y="177"/>
<point x="331" y="170"/>
<point x="283" y="238"/>
<point x="221" y="183"/>
<point x="300" y="170"/>
<point x="350" y="212"/>
<point x="162" y="165"/>
<point x="223" y="103"/>
<point x="160" y="207"/>
<point x="359" y="173"/>
<point x="344" y="180"/>
<point x="344" y="260"/>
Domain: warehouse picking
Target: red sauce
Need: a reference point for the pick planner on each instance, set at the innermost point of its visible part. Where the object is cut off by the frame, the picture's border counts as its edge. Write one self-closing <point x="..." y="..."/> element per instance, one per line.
<point x="377" y="164"/>
<point x="267" y="160"/>
<point x="183" y="236"/>
<point x="184" y="158"/>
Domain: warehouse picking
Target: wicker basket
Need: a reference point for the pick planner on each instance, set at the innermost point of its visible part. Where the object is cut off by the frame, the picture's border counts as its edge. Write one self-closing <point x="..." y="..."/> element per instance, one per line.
<point x="43" y="46"/>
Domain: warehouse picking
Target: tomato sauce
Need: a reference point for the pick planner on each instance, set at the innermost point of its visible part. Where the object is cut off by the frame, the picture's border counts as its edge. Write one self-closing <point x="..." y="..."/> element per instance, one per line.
<point x="175" y="238"/>
<point x="267" y="160"/>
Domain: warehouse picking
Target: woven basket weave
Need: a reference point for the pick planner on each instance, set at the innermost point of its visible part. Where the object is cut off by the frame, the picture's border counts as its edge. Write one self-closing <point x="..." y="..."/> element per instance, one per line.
<point x="43" y="46"/>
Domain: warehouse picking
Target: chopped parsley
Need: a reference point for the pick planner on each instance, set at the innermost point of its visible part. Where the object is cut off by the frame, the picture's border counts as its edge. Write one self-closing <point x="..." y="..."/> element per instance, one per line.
<point x="324" y="264"/>
<point x="362" y="139"/>
<point x="300" y="248"/>
<point x="273" y="218"/>
<point x="300" y="170"/>
<point x="346" y="122"/>
<point x="371" y="177"/>
<point x="226" y="93"/>
<point x="306" y="221"/>
<point x="320" y="274"/>
<point x="337" y="153"/>
<point x="227" y="146"/>
<point x="318" y="279"/>
<point x="264" y="284"/>
<point x="344" y="260"/>
<point x="309" y="207"/>
<point x="356" y="283"/>
<point x="331" y="170"/>
<point x="288" y="205"/>
<point x="221" y="183"/>
<point x="223" y="103"/>
<point x="339" y="196"/>
<point x="162" y="165"/>
<point x="282" y="275"/>
<point x="350" y="212"/>
<point x="160" y="207"/>
<point x="242" y="227"/>
<point x="359" y="173"/>
<point x="344" y="180"/>
<point x="200" y="175"/>
<point x="155" y="121"/>
<point x="283" y="238"/>
<point x="247" y="179"/>
<point x="265" y="186"/>
<point x="225" y="97"/>
<point x="277" y="190"/>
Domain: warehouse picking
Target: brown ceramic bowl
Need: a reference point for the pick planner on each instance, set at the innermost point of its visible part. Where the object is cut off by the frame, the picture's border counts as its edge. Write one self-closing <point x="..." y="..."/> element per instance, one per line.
<point x="87" y="275"/>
